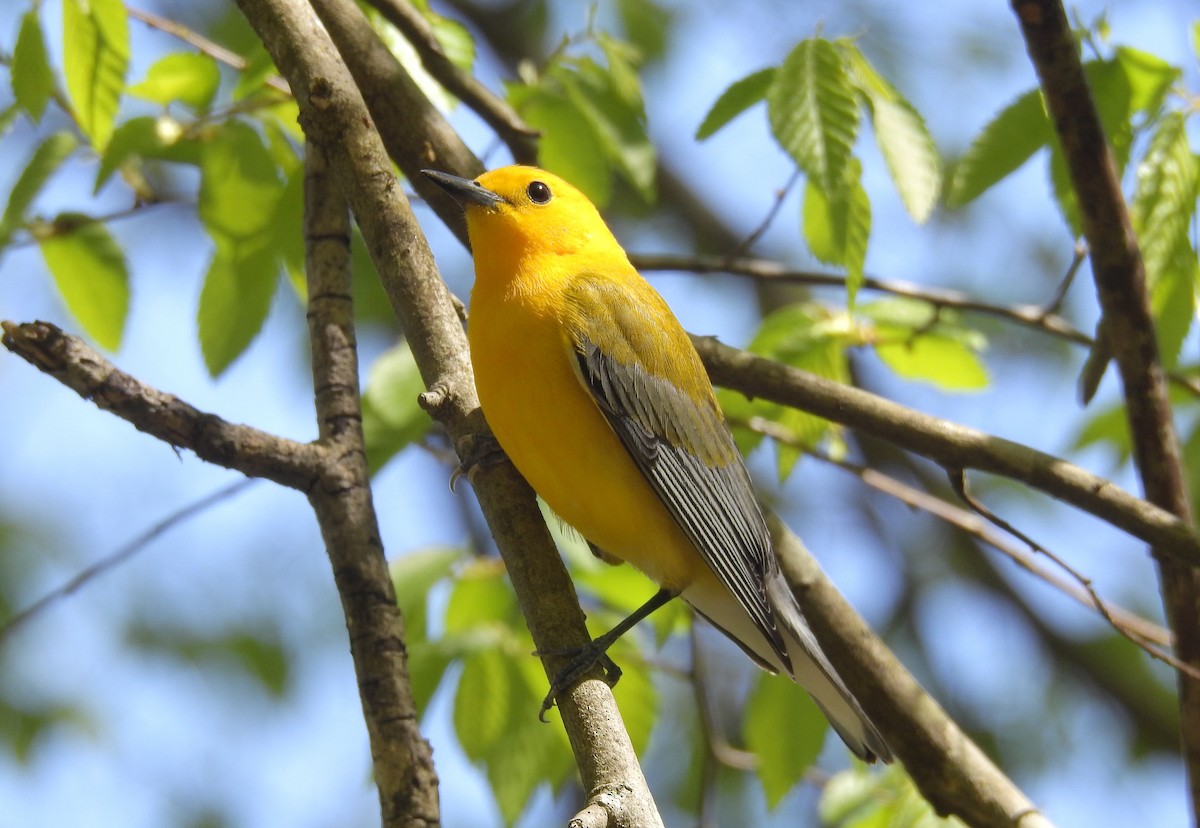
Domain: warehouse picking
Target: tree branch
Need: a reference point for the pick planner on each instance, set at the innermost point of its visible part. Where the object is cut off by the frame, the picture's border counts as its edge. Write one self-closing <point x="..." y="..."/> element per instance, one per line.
<point x="1120" y="277"/>
<point x="335" y="119"/>
<point x="414" y="132"/>
<point x="81" y="368"/>
<point x="518" y="136"/>
<point x="401" y="758"/>
<point x="1029" y="316"/>
<point x="950" y="770"/>
<point x="951" y="445"/>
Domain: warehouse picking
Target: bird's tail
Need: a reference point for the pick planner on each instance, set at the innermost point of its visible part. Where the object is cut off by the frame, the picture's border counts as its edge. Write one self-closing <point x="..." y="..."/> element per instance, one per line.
<point x="812" y="671"/>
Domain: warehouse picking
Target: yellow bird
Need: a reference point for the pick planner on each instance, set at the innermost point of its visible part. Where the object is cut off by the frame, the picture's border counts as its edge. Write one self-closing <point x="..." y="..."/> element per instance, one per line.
<point x="597" y="395"/>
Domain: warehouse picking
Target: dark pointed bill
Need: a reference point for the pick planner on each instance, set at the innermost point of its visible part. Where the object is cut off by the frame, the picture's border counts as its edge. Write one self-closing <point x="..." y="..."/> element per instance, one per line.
<point x="463" y="190"/>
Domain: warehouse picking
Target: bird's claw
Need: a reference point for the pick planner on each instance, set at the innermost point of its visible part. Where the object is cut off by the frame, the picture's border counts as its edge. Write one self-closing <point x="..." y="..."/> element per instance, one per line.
<point x="476" y="451"/>
<point x="581" y="663"/>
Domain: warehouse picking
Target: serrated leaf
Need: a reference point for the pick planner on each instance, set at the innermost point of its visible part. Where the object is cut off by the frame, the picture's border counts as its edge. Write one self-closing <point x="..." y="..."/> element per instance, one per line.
<point x="95" y="58"/>
<point x="89" y="270"/>
<point x="813" y="113"/>
<point x="908" y="149"/>
<point x="784" y="752"/>
<point x="618" y="123"/>
<point x="392" y="419"/>
<point x="191" y="79"/>
<point x="159" y="138"/>
<point x="234" y="301"/>
<point x="1004" y="145"/>
<point x="569" y="146"/>
<point x="911" y="156"/>
<point x="740" y="96"/>
<point x="44" y="162"/>
<point x="32" y="77"/>
<point x="838" y="229"/>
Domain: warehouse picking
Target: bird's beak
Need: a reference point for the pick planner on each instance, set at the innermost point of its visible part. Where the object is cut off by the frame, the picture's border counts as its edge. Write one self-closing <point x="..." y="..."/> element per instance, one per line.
<point x="463" y="190"/>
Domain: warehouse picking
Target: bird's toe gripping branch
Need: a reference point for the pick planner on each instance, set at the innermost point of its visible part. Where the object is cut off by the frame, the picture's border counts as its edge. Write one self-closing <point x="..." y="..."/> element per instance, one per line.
<point x="581" y="663"/>
<point x="476" y="451"/>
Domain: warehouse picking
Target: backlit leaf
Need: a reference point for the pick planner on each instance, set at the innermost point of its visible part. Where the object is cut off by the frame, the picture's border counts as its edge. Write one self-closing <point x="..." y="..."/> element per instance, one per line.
<point x="392" y="419"/>
<point x="191" y="79"/>
<point x="234" y="301"/>
<point x="1007" y="142"/>
<point x="32" y="77"/>
<point x="786" y="730"/>
<point x="95" y="57"/>
<point x="740" y="96"/>
<point x="46" y="160"/>
<point x="814" y="114"/>
<point x="89" y="270"/>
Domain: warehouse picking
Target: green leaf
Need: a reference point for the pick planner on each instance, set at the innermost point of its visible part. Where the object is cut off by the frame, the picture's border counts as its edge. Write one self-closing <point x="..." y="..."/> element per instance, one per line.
<point x="391" y="416"/>
<point x="89" y="270"/>
<point x="191" y="79"/>
<point x="483" y="704"/>
<point x="32" y="77"/>
<point x="44" y="162"/>
<point x="413" y="576"/>
<point x="234" y="301"/>
<point x="647" y="25"/>
<point x="814" y="114"/>
<point x="481" y="597"/>
<point x="95" y="57"/>
<point x="784" y="752"/>
<point x="1108" y="427"/>
<point x="1004" y="145"/>
<point x="837" y="229"/>
<point x="239" y="185"/>
<point x="1150" y="78"/>
<point x="940" y="361"/>
<point x="618" y="121"/>
<point x="805" y="336"/>
<point x="860" y="798"/>
<point x="454" y="38"/>
<point x="569" y="145"/>
<point x="735" y="100"/>
<point x="1163" y="208"/>
<point x="908" y="149"/>
<point x="159" y="138"/>
<point x="918" y="345"/>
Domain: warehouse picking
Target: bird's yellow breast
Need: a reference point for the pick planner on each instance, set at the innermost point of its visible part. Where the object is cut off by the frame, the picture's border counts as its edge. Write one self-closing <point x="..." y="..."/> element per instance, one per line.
<point x="549" y="425"/>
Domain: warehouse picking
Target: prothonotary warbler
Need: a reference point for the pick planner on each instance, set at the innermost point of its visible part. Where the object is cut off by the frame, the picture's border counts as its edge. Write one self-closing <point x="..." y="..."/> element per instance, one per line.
<point x="593" y="389"/>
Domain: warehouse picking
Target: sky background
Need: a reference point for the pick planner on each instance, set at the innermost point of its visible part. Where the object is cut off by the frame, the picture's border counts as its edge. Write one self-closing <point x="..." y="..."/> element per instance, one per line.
<point x="154" y="740"/>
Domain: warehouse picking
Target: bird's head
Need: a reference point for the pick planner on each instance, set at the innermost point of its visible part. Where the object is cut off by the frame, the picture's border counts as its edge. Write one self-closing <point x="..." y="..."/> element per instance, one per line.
<point x="523" y="211"/>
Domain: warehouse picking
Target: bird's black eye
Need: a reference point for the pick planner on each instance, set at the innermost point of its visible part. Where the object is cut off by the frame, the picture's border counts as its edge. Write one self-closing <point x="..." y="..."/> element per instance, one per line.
<point x="538" y="192"/>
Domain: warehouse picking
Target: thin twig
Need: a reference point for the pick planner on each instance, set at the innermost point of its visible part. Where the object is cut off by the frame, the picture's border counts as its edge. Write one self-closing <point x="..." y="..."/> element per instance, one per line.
<point x="1147" y="635"/>
<point x="780" y="196"/>
<point x="1030" y="316"/>
<point x="958" y="481"/>
<point x="214" y="50"/>
<point x="121" y="555"/>
<point x="1078" y="257"/>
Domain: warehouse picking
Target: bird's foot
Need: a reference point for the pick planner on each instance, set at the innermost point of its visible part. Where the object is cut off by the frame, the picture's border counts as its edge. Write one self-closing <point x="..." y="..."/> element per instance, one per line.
<point x="581" y="663"/>
<point x="476" y="451"/>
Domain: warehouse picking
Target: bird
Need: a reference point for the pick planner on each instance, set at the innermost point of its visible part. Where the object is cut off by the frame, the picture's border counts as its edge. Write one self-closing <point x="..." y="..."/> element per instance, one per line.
<point x="595" y="392"/>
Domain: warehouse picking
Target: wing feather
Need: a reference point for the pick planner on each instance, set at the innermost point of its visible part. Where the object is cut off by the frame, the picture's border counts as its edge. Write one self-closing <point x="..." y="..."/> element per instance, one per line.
<point x="679" y="441"/>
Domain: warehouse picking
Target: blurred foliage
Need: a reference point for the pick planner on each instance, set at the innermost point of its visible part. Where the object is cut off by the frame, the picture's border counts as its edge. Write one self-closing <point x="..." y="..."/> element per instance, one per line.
<point x="234" y="136"/>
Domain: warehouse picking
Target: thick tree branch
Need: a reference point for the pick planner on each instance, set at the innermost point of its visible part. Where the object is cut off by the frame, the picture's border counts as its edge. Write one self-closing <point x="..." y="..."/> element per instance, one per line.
<point x="951" y="445"/>
<point x="518" y="136"/>
<point x="414" y="132"/>
<point x="950" y="770"/>
<point x="1128" y="326"/>
<point x="81" y="368"/>
<point x="335" y="119"/>
<point x="401" y="758"/>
